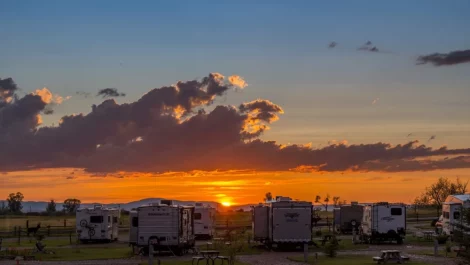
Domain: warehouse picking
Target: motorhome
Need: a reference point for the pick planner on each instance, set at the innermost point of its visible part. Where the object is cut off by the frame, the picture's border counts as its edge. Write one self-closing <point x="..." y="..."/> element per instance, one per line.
<point x="348" y="218"/>
<point x="383" y="222"/>
<point x="451" y="217"/>
<point x="165" y="226"/>
<point x="282" y="222"/>
<point x="97" y="224"/>
<point x="204" y="217"/>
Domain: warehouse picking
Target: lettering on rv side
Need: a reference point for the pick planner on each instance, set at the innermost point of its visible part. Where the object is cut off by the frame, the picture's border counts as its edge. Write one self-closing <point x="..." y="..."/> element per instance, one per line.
<point x="159" y="214"/>
<point x="291" y="217"/>
<point x="388" y="218"/>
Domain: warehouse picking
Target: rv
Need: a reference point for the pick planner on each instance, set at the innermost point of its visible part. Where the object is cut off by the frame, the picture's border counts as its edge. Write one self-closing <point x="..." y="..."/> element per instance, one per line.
<point x="347" y="218"/>
<point x="204" y="217"/>
<point x="383" y="222"/>
<point x="166" y="227"/>
<point x="451" y="218"/>
<point x="97" y="224"/>
<point x="282" y="222"/>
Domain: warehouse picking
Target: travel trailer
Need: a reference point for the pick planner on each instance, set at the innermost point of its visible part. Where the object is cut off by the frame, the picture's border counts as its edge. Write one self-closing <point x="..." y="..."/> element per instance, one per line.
<point x="383" y="222"/>
<point x="165" y="226"/>
<point x="97" y="224"/>
<point x="451" y="218"/>
<point x="204" y="217"/>
<point x="282" y="222"/>
<point x="348" y="218"/>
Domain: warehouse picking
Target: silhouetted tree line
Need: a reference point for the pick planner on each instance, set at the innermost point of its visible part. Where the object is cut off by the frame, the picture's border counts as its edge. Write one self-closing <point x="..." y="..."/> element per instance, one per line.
<point x="14" y="204"/>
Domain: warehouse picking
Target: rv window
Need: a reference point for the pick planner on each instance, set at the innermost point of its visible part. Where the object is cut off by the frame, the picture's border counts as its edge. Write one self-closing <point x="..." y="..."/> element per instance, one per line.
<point x="446" y="215"/>
<point x="197" y="216"/>
<point x="456" y="215"/>
<point x="96" y="219"/>
<point x="396" y="211"/>
<point x="109" y="219"/>
<point x="115" y="220"/>
<point x="135" y="221"/>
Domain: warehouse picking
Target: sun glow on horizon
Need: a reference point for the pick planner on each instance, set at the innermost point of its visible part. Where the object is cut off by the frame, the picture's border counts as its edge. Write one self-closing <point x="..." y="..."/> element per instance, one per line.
<point x="226" y="204"/>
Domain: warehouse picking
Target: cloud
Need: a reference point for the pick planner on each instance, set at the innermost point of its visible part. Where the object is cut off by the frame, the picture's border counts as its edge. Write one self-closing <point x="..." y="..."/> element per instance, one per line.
<point x="7" y="90"/>
<point x="237" y="81"/>
<point x="83" y="94"/>
<point x="70" y="177"/>
<point x="49" y="98"/>
<point x="169" y="130"/>
<point x="332" y="44"/>
<point x="431" y="138"/>
<point x="375" y="101"/>
<point x="110" y="92"/>
<point x="368" y="47"/>
<point x="410" y="134"/>
<point x="443" y="59"/>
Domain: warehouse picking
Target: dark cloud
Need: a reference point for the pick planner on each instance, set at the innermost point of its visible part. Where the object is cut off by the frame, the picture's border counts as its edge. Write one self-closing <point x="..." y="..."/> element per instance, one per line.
<point x="368" y="43"/>
<point x="167" y="129"/>
<point x="7" y="91"/>
<point x="109" y="93"/>
<point x="70" y="177"/>
<point x="83" y="94"/>
<point x="410" y="134"/>
<point x="431" y="138"/>
<point x="48" y="111"/>
<point x="441" y="59"/>
<point x="368" y="47"/>
<point x="332" y="44"/>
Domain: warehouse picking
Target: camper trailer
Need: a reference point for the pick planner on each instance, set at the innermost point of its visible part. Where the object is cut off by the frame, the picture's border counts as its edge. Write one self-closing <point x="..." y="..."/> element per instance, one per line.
<point x="204" y="217"/>
<point x="383" y="222"/>
<point x="134" y="223"/>
<point x="282" y="222"/>
<point x="451" y="217"/>
<point x="166" y="227"/>
<point x="347" y="218"/>
<point x="97" y="224"/>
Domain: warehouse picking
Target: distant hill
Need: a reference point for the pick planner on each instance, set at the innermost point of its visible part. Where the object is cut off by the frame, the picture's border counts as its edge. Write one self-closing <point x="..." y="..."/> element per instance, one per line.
<point x="40" y="206"/>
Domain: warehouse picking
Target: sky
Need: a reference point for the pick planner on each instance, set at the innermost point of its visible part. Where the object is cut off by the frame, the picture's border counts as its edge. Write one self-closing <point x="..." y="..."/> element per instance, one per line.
<point x="323" y="112"/>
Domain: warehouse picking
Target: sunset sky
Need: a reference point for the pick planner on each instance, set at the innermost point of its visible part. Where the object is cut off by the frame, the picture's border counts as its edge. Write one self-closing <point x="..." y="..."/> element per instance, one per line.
<point x="225" y="101"/>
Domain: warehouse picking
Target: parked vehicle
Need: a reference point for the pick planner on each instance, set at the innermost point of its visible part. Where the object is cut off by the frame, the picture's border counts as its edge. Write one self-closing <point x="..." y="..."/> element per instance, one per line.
<point x="166" y="227"/>
<point x="204" y="217"/>
<point x="451" y="218"/>
<point x="133" y="225"/>
<point x="283" y="223"/>
<point x="97" y="224"/>
<point x="383" y="222"/>
<point x="347" y="218"/>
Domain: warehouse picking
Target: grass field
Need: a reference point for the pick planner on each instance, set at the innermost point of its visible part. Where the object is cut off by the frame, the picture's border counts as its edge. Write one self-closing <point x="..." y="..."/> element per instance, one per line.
<point x="340" y="260"/>
<point x="57" y="242"/>
<point x="9" y="222"/>
<point x="186" y="262"/>
<point x="86" y="253"/>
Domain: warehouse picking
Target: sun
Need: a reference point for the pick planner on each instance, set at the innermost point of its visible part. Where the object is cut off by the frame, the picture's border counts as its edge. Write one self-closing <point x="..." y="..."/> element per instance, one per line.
<point x="226" y="204"/>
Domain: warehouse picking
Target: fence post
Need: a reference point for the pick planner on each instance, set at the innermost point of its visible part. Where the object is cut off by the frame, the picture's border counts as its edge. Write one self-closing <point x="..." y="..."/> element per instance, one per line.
<point x="48" y="230"/>
<point x="328" y="224"/>
<point x="65" y="222"/>
<point x="70" y="237"/>
<point x="19" y="235"/>
<point x="14" y="231"/>
<point x="27" y="224"/>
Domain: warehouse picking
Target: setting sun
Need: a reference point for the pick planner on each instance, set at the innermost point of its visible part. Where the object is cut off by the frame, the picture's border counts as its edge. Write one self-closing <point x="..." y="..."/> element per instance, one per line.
<point x="226" y="204"/>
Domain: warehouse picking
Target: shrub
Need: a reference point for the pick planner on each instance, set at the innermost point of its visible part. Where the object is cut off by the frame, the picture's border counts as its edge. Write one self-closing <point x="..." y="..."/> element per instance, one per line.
<point x="318" y="233"/>
<point x="331" y="247"/>
<point x="441" y="239"/>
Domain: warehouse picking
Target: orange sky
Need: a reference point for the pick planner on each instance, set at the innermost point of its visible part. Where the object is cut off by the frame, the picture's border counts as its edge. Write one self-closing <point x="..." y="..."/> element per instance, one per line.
<point x="238" y="187"/>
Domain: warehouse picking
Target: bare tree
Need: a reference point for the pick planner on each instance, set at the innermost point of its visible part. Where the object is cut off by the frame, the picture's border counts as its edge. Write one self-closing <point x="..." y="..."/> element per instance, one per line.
<point x="437" y="193"/>
<point x="336" y="201"/>
<point x="325" y="202"/>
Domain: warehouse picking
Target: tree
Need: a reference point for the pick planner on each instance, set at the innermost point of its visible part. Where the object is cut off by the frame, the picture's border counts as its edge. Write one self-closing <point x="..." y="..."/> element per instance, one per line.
<point x="336" y="201"/>
<point x="437" y="193"/>
<point x="3" y="208"/>
<point x="71" y="205"/>
<point x="268" y="196"/>
<point x="51" y="207"/>
<point x="325" y="202"/>
<point x="15" y="202"/>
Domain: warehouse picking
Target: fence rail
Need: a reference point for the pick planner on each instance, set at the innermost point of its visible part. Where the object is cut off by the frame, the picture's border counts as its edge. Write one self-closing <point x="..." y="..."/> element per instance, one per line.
<point x="18" y="231"/>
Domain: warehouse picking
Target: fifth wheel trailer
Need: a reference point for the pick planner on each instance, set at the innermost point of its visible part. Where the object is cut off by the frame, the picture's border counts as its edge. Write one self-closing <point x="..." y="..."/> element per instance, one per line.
<point x="166" y="227"/>
<point x="283" y="222"/>
<point x="348" y="218"/>
<point x="204" y="217"/>
<point x="383" y="222"/>
<point x="451" y="218"/>
<point x="97" y="224"/>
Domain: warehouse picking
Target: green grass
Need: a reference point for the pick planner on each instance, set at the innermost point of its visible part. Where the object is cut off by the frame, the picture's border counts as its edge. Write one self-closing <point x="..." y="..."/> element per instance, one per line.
<point x="344" y="244"/>
<point x="187" y="262"/>
<point x="441" y="252"/>
<point x="340" y="260"/>
<point x="70" y="254"/>
<point x="57" y="242"/>
<point x="9" y="222"/>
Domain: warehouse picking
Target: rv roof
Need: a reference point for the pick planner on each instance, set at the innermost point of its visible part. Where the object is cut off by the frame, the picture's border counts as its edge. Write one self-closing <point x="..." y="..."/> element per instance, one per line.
<point x="462" y="197"/>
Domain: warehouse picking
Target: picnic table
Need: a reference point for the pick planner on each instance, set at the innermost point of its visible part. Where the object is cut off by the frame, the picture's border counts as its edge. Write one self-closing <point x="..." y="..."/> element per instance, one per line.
<point x="209" y="256"/>
<point x="428" y="235"/>
<point x="390" y="256"/>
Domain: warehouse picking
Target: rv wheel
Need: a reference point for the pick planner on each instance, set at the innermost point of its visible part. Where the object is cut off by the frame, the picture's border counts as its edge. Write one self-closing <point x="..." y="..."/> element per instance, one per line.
<point x="83" y="223"/>
<point x="353" y="223"/>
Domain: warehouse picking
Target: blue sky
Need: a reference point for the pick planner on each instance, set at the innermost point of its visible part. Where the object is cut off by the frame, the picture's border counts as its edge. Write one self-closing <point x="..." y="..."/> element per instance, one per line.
<point x="280" y="48"/>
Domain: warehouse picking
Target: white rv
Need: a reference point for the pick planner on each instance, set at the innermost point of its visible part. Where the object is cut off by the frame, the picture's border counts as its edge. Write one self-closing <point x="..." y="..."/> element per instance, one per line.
<point x="451" y="218"/>
<point x="167" y="227"/>
<point x="283" y="222"/>
<point x="134" y="224"/>
<point x="97" y="224"/>
<point x="383" y="222"/>
<point x="204" y="217"/>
